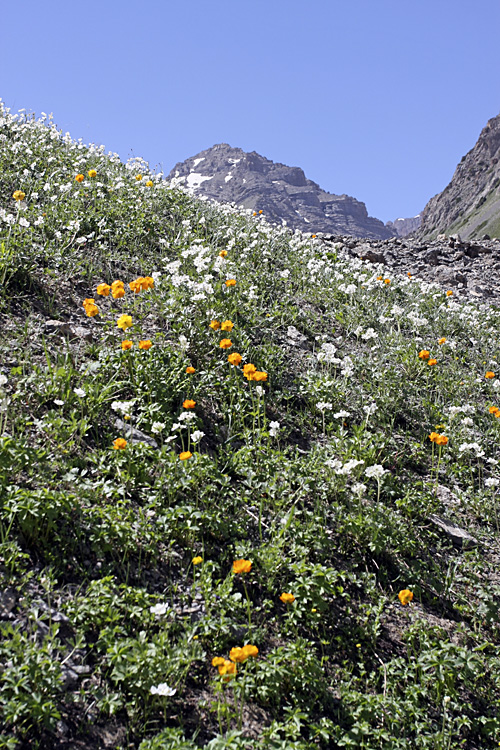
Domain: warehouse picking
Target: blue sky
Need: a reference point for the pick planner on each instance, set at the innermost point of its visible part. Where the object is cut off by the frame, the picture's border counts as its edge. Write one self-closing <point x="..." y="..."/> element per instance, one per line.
<point x="375" y="98"/>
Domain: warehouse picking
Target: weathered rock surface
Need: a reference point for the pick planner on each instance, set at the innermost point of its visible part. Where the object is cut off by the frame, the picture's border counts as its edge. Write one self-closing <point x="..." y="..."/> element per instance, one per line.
<point x="468" y="269"/>
<point x="404" y="227"/>
<point x="470" y="204"/>
<point x="283" y="194"/>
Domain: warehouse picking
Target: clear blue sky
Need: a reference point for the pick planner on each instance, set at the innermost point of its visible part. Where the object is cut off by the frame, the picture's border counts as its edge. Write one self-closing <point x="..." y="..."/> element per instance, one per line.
<point x="379" y="99"/>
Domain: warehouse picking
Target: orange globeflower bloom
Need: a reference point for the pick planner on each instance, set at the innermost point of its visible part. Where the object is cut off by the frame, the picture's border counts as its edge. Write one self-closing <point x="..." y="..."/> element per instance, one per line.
<point x="489" y="375"/>
<point x="493" y="410"/>
<point x="146" y="344"/>
<point x="261" y="211"/>
<point x="119" y="444"/>
<point x="18" y="195"/>
<point x="409" y="275"/>
<point x="441" y="440"/>
<point x="442" y="340"/>
<point x="250" y="650"/>
<point x="189" y="404"/>
<point x="433" y="436"/>
<point x="118" y="292"/>
<point x="92" y="173"/>
<point x="149" y="183"/>
<point x="190" y="370"/>
<point x="432" y="362"/>
<point x="197" y="560"/>
<point x="424" y="354"/>
<point x="259" y="377"/>
<point x="449" y="293"/>
<point x="405" y="596"/>
<point x="287" y="598"/>
<point x="227" y="670"/>
<point x="225" y="343"/>
<point x="217" y="661"/>
<point x="127" y="344"/>
<point x="88" y="301"/>
<point x="91" y="310"/>
<point x="215" y="325"/>
<point x="248" y="370"/>
<point x="223" y="254"/>
<point x="116" y="284"/>
<point x="231" y="282"/>
<point x="185" y="455"/>
<point x="79" y="178"/>
<point x="103" y="290"/>
<point x="124" y="322"/>
<point x="387" y="281"/>
<point x="226" y="325"/>
<point x="234" y="358"/>
<point x="254" y="213"/>
<point x="379" y="278"/>
<point x="241" y="654"/>
<point x="242" y="566"/>
<point x="135" y="286"/>
<point x="138" y="177"/>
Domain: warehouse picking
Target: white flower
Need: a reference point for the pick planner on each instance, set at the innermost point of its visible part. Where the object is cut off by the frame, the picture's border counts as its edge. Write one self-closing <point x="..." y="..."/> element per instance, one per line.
<point x="370" y="409"/>
<point x="186" y="416"/>
<point x="467" y="422"/>
<point x="163" y="689"/>
<point x="273" y="428"/>
<point x="369" y="334"/>
<point x="157" y="427"/>
<point x="123" y="407"/>
<point x="259" y="390"/>
<point x="79" y="392"/>
<point x="58" y="402"/>
<point x="341" y="414"/>
<point x="324" y="405"/>
<point x="183" y="342"/>
<point x="349" y="466"/>
<point x="376" y="471"/>
<point x="23" y="222"/>
<point x="3" y="379"/>
<point x="491" y="482"/>
<point x="197" y="435"/>
<point x="158" y="609"/>
<point x="358" y="489"/>
<point x="285" y="274"/>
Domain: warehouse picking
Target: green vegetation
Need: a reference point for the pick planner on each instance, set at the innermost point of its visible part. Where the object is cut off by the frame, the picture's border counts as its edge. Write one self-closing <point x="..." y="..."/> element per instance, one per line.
<point x="165" y="504"/>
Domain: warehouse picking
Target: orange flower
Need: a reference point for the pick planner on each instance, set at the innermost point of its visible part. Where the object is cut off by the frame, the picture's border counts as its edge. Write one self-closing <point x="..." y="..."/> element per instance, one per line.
<point x="449" y="293"/>
<point x="190" y="370"/>
<point x="126" y="345"/>
<point x="432" y="362"/>
<point x="18" y="195"/>
<point x="215" y="325"/>
<point x="146" y="344"/>
<point x="287" y="598"/>
<point x="234" y="358"/>
<point x="259" y="377"/>
<point x="223" y="254"/>
<point x="441" y="440"/>
<point x="231" y="282"/>
<point x="79" y="178"/>
<point x="88" y="301"/>
<point x="118" y="292"/>
<point x="424" y="354"/>
<point x="405" y="596"/>
<point x="226" y="325"/>
<point x="189" y="404"/>
<point x="248" y="370"/>
<point x="138" y="177"/>
<point x="135" y="286"/>
<point x="387" y="281"/>
<point x="409" y="275"/>
<point x="489" y="375"/>
<point x="103" y="290"/>
<point x="379" y="278"/>
<point x="225" y="343"/>
<point x="217" y="661"/>
<point x="92" y="173"/>
<point x="149" y="183"/>
<point x="227" y="670"/>
<point x="441" y="340"/>
<point x="119" y="444"/>
<point x="241" y="654"/>
<point x="494" y="410"/>
<point x="117" y="284"/>
<point x="242" y="566"/>
<point x="196" y="561"/>
<point x="185" y="455"/>
<point x="261" y="211"/>
<point x="433" y="436"/>
<point x="91" y="310"/>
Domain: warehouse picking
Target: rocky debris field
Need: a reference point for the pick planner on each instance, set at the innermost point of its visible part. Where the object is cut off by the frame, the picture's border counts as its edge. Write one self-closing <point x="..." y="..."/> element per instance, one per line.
<point x="468" y="268"/>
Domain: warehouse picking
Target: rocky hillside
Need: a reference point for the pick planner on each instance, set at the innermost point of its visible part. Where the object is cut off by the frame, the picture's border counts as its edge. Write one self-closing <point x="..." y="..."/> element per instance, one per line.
<point x="470" y="204"/>
<point x="404" y="227"/>
<point x="283" y="194"/>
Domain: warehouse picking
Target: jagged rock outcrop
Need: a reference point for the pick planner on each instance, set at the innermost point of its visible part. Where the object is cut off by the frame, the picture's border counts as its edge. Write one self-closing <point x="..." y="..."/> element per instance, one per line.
<point x="470" y="204"/>
<point x="468" y="269"/>
<point x="404" y="227"/>
<point x="283" y="194"/>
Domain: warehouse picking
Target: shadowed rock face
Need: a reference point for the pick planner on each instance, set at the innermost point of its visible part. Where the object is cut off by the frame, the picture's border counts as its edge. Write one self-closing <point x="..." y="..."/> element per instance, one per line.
<point x="283" y="194"/>
<point x="470" y="204"/>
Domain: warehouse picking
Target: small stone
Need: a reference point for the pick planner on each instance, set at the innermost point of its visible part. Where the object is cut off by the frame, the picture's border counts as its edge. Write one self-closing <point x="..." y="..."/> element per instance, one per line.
<point x="459" y="537"/>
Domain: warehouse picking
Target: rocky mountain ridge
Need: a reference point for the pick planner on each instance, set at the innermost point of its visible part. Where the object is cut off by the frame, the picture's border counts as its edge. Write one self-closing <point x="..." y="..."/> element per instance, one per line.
<point x="282" y="193"/>
<point x="470" y="203"/>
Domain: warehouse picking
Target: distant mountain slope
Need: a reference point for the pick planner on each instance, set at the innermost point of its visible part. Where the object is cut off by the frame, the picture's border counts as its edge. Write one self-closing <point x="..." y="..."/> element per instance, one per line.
<point x="470" y="204"/>
<point x="404" y="227"/>
<point x="282" y="193"/>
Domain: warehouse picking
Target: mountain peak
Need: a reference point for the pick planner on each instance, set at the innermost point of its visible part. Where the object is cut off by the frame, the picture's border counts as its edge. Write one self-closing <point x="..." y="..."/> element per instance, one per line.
<point x="230" y="175"/>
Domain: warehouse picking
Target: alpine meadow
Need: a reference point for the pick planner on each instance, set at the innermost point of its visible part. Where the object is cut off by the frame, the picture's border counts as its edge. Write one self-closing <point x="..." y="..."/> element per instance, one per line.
<point x="249" y="484"/>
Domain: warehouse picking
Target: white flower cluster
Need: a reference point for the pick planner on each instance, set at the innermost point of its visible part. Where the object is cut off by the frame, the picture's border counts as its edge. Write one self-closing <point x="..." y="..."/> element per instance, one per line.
<point x="469" y="447"/>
